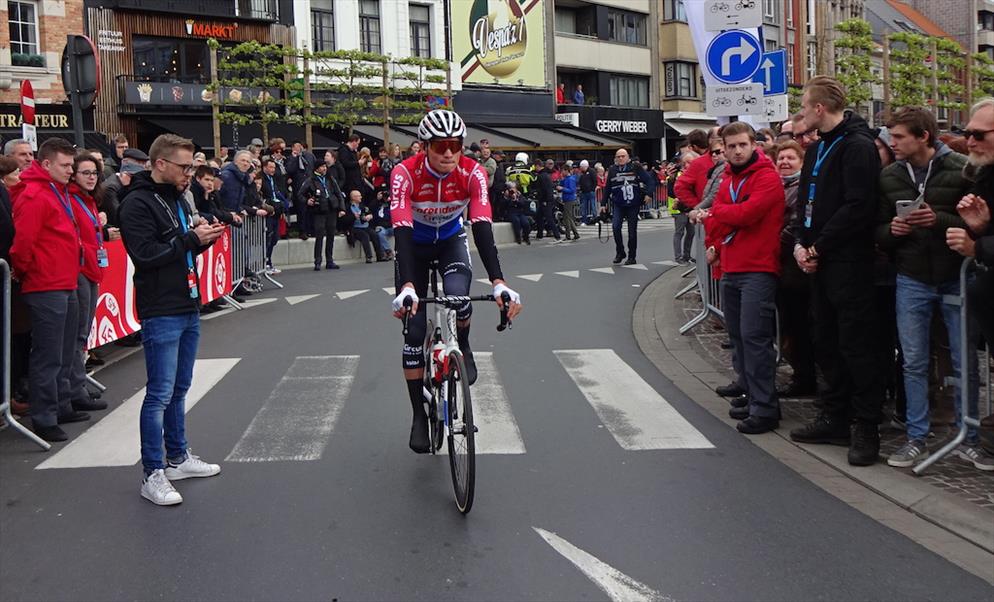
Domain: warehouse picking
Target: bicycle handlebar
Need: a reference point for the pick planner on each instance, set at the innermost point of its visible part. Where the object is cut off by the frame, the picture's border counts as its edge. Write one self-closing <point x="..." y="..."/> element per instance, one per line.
<point x="456" y="301"/>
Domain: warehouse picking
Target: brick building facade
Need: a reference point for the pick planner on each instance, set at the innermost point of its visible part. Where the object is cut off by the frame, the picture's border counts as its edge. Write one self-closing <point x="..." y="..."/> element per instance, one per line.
<point x="34" y="53"/>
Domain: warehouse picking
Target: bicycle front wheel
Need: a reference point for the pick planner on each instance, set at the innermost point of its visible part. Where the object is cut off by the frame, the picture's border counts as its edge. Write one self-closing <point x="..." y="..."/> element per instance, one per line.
<point x="462" y="433"/>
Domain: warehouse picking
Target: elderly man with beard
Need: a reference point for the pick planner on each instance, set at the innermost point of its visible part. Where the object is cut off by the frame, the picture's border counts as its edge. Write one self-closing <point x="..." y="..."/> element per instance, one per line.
<point x="977" y="239"/>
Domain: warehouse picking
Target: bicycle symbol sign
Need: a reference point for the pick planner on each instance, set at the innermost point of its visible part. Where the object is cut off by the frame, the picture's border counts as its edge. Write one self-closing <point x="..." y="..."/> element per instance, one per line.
<point x="722" y="15"/>
<point x="734" y="56"/>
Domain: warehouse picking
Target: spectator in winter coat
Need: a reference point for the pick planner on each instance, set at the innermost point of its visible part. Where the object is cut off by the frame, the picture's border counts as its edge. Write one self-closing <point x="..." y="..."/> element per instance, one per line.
<point x="745" y="224"/>
<point x="382" y="225"/>
<point x="547" y="202"/>
<point x="587" y="184"/>
<point x="349" y="159"/>
<point x="517" y="213"/>
<point x="569" y="185"/>
<point x="326" y="204"/>
<point x="275" y="198"/>
<point x="46" y="256"/>
<point x="629" y="185"/>
<point x="359" y="218"/>
<point x="235" y="194"/>
<point x="299" y="168"/>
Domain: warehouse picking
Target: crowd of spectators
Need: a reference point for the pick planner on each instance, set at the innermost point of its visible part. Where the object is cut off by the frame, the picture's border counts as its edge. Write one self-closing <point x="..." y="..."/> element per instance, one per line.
<point x="855" y="237"/>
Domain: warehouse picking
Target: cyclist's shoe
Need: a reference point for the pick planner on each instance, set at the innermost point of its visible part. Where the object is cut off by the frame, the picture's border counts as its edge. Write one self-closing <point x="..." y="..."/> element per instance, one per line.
<point x="470" y="361"/>
<point x="419" y="434"/>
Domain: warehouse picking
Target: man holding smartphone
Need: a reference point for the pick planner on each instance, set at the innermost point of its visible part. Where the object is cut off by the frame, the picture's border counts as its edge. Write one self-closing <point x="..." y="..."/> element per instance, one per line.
<point x="929" y="172"/>
<point x="163" y="240"/>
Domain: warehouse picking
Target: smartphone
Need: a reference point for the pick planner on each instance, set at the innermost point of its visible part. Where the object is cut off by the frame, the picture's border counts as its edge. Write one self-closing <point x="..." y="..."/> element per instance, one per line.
<point x="904" y="208"/>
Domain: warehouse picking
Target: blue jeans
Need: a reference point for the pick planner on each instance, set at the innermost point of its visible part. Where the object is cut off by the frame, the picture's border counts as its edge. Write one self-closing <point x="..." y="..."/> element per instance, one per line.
<point x="588" y="206"/>
<point x="915" y="303"/>
<point x="170" y="351"/>
<point x="383" y="234"/>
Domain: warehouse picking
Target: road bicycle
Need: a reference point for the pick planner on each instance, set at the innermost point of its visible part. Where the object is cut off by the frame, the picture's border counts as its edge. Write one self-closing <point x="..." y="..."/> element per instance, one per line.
<point x="446" y="391"/>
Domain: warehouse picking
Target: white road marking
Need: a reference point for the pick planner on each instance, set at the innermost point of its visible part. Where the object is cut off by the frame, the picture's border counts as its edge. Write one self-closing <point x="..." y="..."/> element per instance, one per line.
<point x="570" y="273"/>
<point x="114" y="440"/>
<point x="637" y="416"/>
<point x="603" y="270"/>
<point x="618" y="586"/>
<point x="390" y="290"/>
<point x="532" y="277"/>
<point x="300" y="298"/>
<point x="296" y="421"/>
<point x="668" y="262"/>
<point x="635" y="266"/>
<point x="343" y="295"/>
<point x="499" y="433"/>
<point x="246" y="304"/>
<point x="484" y="281"/>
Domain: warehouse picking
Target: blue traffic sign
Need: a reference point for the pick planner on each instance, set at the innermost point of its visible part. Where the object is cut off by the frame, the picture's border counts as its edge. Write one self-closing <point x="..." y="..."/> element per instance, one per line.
<point x="772" y="73"/>
<point x="734" y="56"/>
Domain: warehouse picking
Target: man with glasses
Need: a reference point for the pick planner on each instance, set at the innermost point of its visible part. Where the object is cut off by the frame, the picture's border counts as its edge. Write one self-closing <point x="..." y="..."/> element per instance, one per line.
<point x="163" y="240"/>
<point x="428" y="194"/>
<point x="628" y="186"/>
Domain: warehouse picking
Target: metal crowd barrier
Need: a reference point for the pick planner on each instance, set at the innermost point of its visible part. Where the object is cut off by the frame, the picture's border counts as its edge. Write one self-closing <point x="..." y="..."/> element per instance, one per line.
<point x="964" y="376"/>
<point x="709" y="288"/>
<point x="5" y="394"/>
<point x="248" y="257"/>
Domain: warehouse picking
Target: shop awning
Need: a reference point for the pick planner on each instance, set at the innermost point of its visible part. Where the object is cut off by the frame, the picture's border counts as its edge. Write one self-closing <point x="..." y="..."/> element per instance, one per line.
<point x="683" y="122"/>
<point x="397" y="135"/>
<point x="557" y="137"/>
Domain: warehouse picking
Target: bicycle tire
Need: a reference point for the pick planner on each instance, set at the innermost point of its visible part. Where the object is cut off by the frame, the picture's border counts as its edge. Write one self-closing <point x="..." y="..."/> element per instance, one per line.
<point x="461" y="433"/>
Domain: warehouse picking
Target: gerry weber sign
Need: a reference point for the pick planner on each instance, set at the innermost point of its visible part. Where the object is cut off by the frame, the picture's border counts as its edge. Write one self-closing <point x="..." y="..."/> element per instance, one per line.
<point x="618" y="126"/>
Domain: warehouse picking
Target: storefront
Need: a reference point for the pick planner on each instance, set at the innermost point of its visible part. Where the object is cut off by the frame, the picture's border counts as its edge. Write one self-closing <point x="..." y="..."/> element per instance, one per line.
<point x="155" y="69"/>
<point x="644" y="127"/>
<point x="51" y="120"/>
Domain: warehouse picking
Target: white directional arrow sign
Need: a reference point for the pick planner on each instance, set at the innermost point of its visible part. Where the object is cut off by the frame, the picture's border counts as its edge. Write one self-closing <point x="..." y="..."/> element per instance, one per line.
<point x="744" y="50"/>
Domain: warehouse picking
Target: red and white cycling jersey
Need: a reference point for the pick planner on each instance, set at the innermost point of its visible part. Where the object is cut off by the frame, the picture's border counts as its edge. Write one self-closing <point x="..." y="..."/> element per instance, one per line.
<point x="432" y="204"/>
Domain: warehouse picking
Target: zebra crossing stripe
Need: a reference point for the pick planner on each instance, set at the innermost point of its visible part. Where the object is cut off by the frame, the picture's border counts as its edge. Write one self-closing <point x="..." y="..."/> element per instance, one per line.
<point x="499" y="433"/>
<point x="637" y="416"/>
<point x="296" y="421"/>
<point x="114" y="440"/>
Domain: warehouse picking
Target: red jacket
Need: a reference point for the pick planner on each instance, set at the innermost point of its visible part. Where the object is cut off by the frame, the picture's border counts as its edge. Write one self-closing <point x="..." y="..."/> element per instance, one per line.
<point x="756" y="219"/>
<point x="47" y="248"/>
<point x="690" y="186"/>
<point x="88" y="233"/>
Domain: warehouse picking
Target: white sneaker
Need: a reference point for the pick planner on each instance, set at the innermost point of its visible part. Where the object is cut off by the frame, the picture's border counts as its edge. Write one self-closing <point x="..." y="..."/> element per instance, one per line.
<point x="193" y="466"/>
<point x="157" y="489"/>
<point x="981" y="460"/>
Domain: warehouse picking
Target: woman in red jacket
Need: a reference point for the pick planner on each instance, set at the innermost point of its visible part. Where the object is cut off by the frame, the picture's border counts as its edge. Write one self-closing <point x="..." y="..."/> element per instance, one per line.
<point x="82" y="188"/>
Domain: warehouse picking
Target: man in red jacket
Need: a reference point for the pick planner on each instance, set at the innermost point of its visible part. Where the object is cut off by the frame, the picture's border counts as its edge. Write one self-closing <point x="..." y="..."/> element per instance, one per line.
<point x="47" y="256"/>
<point x="745" y="223"/>
<point x="689" y="191"/>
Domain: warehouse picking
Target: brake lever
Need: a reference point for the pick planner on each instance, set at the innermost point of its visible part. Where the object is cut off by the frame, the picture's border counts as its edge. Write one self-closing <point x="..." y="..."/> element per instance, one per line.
<point x="408" y="303"/>
<point x="505" y="322"/>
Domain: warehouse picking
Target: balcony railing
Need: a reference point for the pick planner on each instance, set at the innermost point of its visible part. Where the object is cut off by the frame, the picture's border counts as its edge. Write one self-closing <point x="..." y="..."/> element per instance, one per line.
<point x="260" y="10"/>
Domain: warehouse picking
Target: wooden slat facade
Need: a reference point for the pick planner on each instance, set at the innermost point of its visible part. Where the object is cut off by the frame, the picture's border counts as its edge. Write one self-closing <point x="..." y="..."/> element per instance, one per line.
<point x="112" y="64"/>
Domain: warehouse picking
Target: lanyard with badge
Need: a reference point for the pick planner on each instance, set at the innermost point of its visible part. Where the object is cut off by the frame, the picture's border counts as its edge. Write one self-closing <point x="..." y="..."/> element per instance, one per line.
<point x="819" y="159"/>
<point x="734" y="191"/>
<point x="191" y="272"/>
<point x="102" y="260"/>
<point x="67" y="207"/>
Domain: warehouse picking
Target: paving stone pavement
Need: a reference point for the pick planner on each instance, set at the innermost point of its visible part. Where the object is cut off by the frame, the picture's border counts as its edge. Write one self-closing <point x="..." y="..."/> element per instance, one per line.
<point x="950" y="474"/>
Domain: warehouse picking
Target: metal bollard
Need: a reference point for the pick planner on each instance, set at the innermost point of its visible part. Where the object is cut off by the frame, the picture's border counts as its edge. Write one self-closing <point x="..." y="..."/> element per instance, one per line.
<point x="964" y="379"/>
<point x="5" y="399"/>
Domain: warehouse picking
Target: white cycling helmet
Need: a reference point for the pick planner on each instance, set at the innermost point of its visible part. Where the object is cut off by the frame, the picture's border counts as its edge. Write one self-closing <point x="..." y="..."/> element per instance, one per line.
<point x="441" y="123"/>
<point x="521" y="158"/>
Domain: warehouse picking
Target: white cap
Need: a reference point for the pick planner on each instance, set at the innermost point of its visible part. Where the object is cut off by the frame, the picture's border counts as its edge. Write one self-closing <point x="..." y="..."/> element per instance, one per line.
<point x="584" y="163"/>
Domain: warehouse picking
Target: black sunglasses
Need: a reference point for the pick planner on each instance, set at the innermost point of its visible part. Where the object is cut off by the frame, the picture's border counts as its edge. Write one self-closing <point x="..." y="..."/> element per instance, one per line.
<point x="977" y="135"/>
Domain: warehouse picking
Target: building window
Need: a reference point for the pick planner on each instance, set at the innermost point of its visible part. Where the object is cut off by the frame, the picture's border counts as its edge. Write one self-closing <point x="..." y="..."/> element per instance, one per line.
<point x="629" y="91"/>
<point x="791" y="76"/>
<point x="790" y="13"/>
<point x="985" y="20"/>
<point x="681" y="80"/>
<point x="323" y="25"/>
<point x="812" y="15"/>
<point x="623" y="26"/>
<point x="770" y="45"/>
<point x="673" y="10"/>
<point x="812" y="66"/>
<point x="420" y="30"/>
<point x="579" y="21"/>
<point x="23" y="15"/>
<point x="369" y="25"/>
<point x="770" y="12"/>
<point x="171" y="59"/>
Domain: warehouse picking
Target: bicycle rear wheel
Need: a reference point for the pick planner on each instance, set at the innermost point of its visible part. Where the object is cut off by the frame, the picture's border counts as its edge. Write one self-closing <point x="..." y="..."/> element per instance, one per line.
<point x="462" y="433"/>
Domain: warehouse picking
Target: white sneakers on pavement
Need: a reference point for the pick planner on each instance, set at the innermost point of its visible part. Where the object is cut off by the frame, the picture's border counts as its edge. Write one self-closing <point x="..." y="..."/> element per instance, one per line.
<point x="193" y="466"/>
<point x="157" y="489"/>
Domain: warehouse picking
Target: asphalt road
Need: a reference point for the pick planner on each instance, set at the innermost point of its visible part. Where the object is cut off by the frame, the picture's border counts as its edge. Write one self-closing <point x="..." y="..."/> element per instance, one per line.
<point x="322" y="499"/>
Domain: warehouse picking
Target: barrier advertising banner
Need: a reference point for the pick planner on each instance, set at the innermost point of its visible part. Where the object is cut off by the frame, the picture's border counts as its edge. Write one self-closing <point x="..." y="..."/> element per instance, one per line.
<point x="117" y="317"/>
<point x="500" y="41"/>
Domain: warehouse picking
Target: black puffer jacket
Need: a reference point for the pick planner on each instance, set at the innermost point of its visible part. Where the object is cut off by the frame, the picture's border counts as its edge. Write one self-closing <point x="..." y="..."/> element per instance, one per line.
<point x="156" y="243"/>
<point x="845" y="203"/>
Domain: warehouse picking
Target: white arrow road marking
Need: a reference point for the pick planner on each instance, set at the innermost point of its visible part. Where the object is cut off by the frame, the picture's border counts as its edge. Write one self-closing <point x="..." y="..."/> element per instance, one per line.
<point x="300" y="298"/>
<point x="343" y="295"/>
<point x="114" y="440"/>
<point x="618" y="586"/>
<point x="637" y="416"/>
<point x="532" y="277"/>
<point x="571" y="273"/>
<point x="390" y="290"/>
<point x="668" y="262"/>
<point x="635" y="266"/>
<point x="296" y="422"/>
<point x="603" y="270"/>
<point x="743" y="51"/>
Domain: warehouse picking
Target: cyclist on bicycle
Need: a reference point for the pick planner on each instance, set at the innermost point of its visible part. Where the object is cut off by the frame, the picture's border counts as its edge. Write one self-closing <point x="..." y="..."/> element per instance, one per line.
<point x="429" y="193"/>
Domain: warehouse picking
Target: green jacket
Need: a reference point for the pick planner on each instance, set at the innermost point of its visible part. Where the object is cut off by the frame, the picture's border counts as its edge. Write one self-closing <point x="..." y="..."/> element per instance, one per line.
<point x="923" y="254"/>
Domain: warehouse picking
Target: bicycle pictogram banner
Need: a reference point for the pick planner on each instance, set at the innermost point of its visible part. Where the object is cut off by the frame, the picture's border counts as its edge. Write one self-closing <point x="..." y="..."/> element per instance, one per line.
<point x="116" y="315"/>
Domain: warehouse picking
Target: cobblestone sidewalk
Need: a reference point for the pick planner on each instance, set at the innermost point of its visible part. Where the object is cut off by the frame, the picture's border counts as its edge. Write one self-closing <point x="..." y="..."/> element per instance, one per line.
<point x="950" y="474"/>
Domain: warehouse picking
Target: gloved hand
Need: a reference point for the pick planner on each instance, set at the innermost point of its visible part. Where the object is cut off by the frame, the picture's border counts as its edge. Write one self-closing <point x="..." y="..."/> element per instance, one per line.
<point x="515" y="305"/>
<point x="398" y="302"/>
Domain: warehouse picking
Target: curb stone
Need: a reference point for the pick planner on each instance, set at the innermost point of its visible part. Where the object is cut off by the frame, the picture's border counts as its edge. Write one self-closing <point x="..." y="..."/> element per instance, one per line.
<point x="957" y="530"/>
